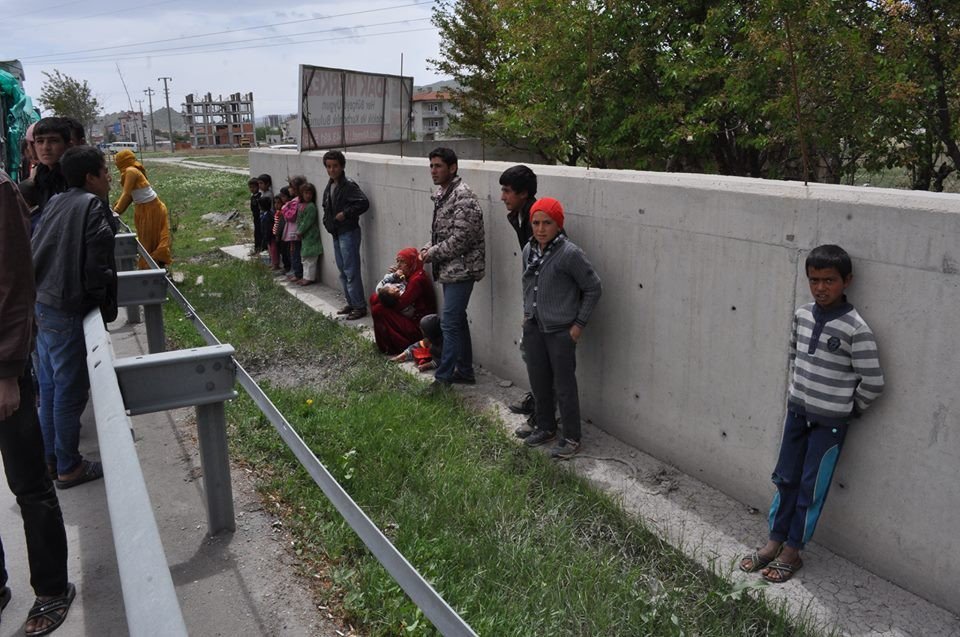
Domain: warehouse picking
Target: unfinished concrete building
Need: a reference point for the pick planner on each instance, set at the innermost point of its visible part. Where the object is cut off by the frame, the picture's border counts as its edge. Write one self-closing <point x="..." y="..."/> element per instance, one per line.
<point x="212" y="123"/>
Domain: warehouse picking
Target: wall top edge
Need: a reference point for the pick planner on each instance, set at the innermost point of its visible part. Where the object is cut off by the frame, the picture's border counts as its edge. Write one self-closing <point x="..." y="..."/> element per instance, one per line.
<point x="855" y="195"/>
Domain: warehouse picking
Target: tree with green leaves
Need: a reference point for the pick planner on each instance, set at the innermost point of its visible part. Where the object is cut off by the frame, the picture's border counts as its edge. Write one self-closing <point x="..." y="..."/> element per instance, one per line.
<point x="68" y="97"/>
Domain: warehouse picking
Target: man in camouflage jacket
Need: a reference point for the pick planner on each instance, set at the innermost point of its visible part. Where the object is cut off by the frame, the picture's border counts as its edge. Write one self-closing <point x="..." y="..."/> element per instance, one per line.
<point x="456" y="252"/>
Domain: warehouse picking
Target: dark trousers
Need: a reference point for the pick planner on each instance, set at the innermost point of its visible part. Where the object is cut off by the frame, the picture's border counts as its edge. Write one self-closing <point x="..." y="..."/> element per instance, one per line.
<point x="258" y="243"/>
<point x="22" y="449"/>
<point x="284" y="248"/>
<point x="551" y="359"/>
<point x="808" y="456"/>
<point x="296" y="263"/>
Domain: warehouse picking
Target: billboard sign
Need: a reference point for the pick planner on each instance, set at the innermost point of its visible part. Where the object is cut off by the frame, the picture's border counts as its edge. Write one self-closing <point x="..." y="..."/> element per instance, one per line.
<point x="340" y="108"/>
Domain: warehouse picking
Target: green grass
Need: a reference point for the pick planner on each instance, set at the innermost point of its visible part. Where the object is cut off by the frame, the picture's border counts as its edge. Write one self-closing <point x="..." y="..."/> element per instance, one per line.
<point x="517" y="544"/>
<point x="189" y="194"/>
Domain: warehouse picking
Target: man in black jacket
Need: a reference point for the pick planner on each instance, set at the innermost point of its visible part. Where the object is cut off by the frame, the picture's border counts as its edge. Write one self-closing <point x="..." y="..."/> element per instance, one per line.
<point x="73" y="260"/>
<point x="343" y="203"/>
<point x="518" y="191"/>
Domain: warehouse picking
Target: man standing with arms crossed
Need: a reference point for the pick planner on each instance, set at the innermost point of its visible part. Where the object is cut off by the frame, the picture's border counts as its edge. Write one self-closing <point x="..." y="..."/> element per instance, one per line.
<point x="457" y="253"/>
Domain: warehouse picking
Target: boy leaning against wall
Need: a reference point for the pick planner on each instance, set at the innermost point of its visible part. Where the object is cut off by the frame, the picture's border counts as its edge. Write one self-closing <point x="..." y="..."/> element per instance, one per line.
<point x="835" y="375"/>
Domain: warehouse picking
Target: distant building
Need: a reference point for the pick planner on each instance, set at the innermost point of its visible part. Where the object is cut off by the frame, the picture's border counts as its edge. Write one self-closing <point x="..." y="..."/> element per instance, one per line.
<point x="431" y="115"/>
<point x="273" y="121"/>
<point x="220" y="122"/>
<point x="131" y="127"/>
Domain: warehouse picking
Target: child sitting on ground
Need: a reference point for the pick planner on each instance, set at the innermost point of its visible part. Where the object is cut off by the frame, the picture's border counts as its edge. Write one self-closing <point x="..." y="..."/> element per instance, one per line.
<point x="426" y="352"/>
<point x="835" y="375"/>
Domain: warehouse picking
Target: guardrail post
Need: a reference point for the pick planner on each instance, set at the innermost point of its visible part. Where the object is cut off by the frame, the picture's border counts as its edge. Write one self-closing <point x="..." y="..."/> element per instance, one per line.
<point x="149" y="289"/>
<point x="202" y="377"/>
<point x="215" y="460"/>
<point x="126" y="258"/>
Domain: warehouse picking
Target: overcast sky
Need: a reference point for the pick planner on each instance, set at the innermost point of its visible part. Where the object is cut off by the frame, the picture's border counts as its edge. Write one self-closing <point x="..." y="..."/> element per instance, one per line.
<point x="88" y="39"/>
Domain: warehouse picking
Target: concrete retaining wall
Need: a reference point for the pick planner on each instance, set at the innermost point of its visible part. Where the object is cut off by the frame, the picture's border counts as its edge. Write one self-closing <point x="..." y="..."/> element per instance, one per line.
<point x="686" y="356"/>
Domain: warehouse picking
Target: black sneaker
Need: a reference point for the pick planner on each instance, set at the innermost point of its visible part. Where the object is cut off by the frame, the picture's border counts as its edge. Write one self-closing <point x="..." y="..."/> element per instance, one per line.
<point x="436" y="388"/>
<point x="540" y="437"/>
<point x="463" y="379"/>
<point x="527" y="428"/>
<point x="346" y="309"/>
<point x="524" y="406"/>
<point x="565" y="449"/>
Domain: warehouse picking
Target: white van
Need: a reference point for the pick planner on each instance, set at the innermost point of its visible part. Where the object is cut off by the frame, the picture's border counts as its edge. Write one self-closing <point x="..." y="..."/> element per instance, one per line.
<point x="116" y="147"/>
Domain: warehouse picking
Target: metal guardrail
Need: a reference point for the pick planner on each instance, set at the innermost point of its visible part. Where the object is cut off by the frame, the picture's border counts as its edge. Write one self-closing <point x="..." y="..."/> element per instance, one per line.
<point x="443" y="617"/>
<point x="149" y="598"/>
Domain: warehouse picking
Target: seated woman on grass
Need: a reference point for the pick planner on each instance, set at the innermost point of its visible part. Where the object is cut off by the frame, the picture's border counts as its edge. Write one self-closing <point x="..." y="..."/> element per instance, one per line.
<point x="397" y="309"/>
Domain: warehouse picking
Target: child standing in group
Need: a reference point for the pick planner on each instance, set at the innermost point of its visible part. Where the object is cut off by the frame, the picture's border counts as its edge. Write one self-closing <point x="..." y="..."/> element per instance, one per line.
<point x="253" y="184"/>
<point x="308" y="228"/>
<point x="290" y="235"/>
<point x="279" y="223"/>
<point x="560" y="290"/>
<point x="835" y="375"/>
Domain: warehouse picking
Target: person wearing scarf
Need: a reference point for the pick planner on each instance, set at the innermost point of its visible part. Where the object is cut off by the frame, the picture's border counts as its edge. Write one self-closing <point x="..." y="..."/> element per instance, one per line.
<point x="560" y="290"/>
<point x="395" y="327"/>
<point x="149" y="212"/>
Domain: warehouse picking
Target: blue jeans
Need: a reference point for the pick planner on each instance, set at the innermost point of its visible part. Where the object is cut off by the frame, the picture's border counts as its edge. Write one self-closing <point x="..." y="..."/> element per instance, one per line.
<point x="346" y="251"/>
<point x="808" y="456"/>
<point x="62" y="374"/>
<point x="457" y="355"/>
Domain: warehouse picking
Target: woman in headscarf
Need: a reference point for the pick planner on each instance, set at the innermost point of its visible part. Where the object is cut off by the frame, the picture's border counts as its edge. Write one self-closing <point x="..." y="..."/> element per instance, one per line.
<point x="398" y="306"/>
<point x="149" y="213"/>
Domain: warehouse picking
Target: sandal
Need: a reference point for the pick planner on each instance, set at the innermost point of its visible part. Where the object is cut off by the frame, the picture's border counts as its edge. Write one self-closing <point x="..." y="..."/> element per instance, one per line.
<point x="757" y="562"/>
<point x="53" y="610"/>
<point x="91" y="471"/>
<point x="783" y="570"/>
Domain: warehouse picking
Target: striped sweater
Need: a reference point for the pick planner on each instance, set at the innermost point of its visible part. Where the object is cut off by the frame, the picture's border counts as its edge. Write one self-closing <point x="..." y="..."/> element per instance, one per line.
<point x="835" y="368"/>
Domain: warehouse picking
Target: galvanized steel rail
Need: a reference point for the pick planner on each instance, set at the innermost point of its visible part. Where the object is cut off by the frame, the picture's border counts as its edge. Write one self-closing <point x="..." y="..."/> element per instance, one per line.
<point x="149" y="598"/>
<point x="443" y="617"/>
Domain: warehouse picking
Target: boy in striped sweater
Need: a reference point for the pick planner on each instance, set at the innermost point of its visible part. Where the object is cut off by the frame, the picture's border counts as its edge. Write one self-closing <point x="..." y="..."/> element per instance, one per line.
<point x="835" y="376"/>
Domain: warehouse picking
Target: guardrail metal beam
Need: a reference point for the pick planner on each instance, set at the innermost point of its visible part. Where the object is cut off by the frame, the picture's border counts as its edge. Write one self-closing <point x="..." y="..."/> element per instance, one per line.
<point x="149" y="598"/>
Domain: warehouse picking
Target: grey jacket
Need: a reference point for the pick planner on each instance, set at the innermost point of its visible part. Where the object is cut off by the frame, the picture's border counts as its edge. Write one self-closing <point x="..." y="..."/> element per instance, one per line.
<point x="457" y="251"/>
<point x="73" y="255"/>
<point x="562" y="290"/>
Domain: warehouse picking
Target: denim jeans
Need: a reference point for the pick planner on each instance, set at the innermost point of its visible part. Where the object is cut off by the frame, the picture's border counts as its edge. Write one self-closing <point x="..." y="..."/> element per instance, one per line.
<point x="22" y="450"/>
<point x="346" y="251"/>
<point x="457" y="354"/>
<point x="296" y="263"/>
<point x="62" y="373"/>
<point x="808" y="457"/>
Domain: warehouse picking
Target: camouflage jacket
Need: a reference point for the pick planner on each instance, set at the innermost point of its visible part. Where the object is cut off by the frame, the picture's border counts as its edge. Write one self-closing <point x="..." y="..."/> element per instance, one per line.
<point x="457" y="250"/>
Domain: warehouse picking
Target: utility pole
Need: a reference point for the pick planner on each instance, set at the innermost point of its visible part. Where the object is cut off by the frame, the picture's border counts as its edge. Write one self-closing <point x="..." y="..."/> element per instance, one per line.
<point x="141" y="140"/>
<point x="166" y="94"/>
<point x="153" y="138"/>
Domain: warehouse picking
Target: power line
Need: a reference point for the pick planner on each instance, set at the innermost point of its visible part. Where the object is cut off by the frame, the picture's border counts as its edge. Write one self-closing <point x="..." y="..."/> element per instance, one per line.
<point x="268" y="37"/>
<point x="56" y="6"/>
<point x="34" y="58"/>
<point x="235" y="48"/>
<point x="74" y="19"/>
<point x="247" y="40"/>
